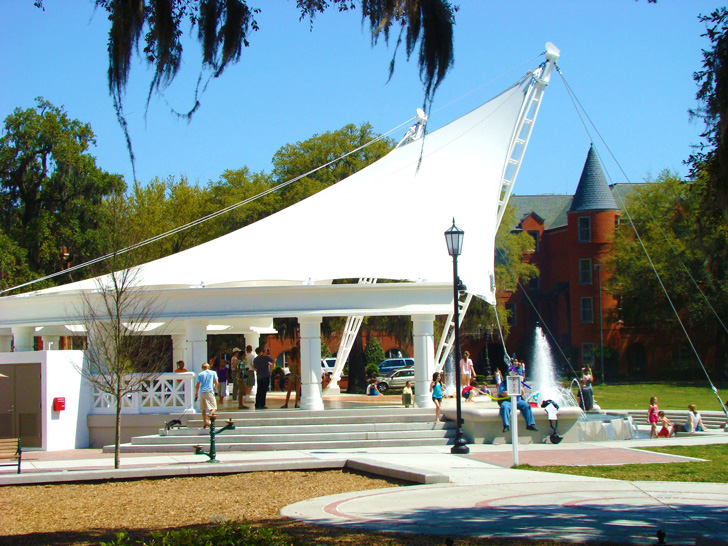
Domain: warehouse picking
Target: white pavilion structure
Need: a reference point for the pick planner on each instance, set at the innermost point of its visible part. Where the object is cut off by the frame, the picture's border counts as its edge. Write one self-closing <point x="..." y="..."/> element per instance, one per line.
<point x="463" y="171"/>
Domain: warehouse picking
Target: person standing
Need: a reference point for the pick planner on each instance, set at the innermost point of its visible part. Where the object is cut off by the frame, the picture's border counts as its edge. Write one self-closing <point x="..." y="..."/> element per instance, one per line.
<point x="467" y="370"/>
<point x="294" y="378"/>
<point x="249" y="370"/>
<point x="263" y="365"/>
<point x="436" y="390"/>
<point x="205" y="391"/>
<point x="222" y="379"/>
<point x="653" y="416"/>
<point x="180" y="367"/>
<point x="237" y="367"/>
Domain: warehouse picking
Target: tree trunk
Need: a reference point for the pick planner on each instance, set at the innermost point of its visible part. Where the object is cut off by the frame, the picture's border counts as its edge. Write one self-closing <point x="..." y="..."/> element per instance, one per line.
<point x="117" y="435"/>
<point x="357" y="375"/>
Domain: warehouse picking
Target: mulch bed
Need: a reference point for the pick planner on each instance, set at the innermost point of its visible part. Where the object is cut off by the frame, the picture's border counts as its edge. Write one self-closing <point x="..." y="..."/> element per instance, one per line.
<point x="86" y="513"/>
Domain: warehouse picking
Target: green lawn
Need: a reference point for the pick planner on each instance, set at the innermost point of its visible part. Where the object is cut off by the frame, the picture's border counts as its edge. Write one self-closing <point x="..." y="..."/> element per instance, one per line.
<point x="714" y="469"/>
<point x="671" y="395"/>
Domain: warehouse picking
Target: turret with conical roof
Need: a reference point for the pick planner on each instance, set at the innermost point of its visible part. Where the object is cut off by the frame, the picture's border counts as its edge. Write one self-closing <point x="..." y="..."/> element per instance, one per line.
<point x="593" y="192"/>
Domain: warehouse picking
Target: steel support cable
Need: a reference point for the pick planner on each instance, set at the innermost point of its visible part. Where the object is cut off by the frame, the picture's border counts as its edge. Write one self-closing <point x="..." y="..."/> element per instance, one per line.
<point x="206" y="218"/>
<point x="575" y="101"/>
<point x="644" y="248"/>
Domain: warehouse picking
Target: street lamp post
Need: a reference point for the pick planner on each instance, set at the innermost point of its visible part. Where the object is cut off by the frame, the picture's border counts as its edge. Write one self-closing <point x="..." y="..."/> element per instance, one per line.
<point x="598" y="267"/>
<point x="454" y="239"/>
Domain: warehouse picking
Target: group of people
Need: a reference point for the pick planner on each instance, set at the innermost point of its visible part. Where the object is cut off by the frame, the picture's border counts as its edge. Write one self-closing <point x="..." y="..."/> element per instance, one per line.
<point x="244" y="369"/>
<point x="656" y="416"/>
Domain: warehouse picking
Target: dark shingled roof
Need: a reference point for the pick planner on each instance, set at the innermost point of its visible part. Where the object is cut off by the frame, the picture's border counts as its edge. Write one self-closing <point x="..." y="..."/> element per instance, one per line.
<point x="593" y="192"/>
<point x="551" y="208"/>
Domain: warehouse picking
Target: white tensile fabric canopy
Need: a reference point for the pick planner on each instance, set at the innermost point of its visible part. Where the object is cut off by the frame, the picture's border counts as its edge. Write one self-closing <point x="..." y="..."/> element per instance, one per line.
<point x="387" y="221"/>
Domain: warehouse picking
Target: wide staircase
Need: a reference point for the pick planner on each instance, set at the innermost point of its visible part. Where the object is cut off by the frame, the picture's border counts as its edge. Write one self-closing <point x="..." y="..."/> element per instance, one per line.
<point x="711" y="419"/>
<point x="272" y="430"/>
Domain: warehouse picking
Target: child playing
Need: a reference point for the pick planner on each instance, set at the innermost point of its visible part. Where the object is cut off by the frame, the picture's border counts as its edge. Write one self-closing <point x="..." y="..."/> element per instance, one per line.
<point x="666" y="425"/>
<point x="436" y="390"/>
<point x="407" y="394"/>
<point x="652" y="417"/>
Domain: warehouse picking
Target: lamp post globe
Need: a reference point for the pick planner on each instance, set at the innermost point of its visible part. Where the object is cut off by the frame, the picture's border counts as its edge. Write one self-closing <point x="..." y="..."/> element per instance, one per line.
<point x="454" y="239"/>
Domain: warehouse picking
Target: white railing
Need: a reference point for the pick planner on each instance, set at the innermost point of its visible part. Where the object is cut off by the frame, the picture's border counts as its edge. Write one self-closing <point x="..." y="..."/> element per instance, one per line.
<point x="167" y="393"/>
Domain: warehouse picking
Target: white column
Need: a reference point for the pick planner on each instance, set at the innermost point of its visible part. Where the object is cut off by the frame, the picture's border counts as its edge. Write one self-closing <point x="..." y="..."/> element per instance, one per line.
<point x="6" y="344"/>
<point x="311" y="363"/>
<point x="252" y="339"/>
<point x="423" y="338"/>
<point x="51" y="343"/>
<point x="196" y="345"/>
<point x="178" y="349"/>
<point x="23" y="338"/>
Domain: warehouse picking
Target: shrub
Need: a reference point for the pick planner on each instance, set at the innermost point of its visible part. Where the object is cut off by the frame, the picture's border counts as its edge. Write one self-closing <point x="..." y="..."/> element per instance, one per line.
<point x="372" y="370"/>
<point x="373" y="354"/>
<point x="224" y="534"/>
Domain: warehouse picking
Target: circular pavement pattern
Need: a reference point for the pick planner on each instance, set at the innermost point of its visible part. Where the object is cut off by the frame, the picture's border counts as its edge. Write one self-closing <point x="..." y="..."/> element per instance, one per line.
<point x="571" y="511"/>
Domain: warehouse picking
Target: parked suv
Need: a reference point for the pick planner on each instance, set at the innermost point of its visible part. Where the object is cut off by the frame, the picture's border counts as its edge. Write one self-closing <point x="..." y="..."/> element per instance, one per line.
<point x="327" y="364"/>
<point x="396" y="379"/>
<point x="391" y="364"/>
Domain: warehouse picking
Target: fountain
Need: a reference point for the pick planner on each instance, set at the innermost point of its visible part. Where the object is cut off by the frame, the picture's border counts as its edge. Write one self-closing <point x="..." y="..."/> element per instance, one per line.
<point x="482" y="423"/>
<point x="449" y="383"/>
<point x="542" y="376"/>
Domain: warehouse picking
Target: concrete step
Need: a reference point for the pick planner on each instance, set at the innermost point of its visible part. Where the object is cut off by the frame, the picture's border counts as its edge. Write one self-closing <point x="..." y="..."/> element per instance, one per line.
<point x="317" y="445"/>
<point x="319" y="428"/>
<point x="293" y="436"/>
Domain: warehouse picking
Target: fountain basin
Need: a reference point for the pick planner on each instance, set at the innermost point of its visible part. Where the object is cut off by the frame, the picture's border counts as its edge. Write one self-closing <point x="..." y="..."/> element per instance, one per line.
<point x="482" y="424"/>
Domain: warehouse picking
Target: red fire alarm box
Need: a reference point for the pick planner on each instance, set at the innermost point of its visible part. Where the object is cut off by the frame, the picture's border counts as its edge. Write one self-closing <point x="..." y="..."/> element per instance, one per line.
<point x="59" y="404"/>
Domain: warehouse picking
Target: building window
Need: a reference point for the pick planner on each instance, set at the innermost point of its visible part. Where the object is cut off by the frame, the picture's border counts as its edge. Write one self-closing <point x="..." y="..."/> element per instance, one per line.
<point x="585" y="271"/>
<point x="587" y="310"/>
<point x="511" y="308"/>
<point x="534" y="234"/>
<point x="584" y="229"/>
<point x="534" y="283"/>
<point x="587" y="354"/>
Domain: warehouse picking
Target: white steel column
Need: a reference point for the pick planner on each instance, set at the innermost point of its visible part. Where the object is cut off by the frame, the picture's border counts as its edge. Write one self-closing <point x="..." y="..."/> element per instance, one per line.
<point x="51" y="343"/>
<point x="311" y="363"/>
<point x="196" y="349"/>
<point x="6" y="344"/>
<point x="23" y="338"/>
<point x="178" y="350"/>
<point x="423" y="340"/>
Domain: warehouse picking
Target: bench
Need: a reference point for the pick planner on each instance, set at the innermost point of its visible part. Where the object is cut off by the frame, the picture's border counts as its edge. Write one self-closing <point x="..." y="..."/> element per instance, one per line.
<point x="10" y="449"/>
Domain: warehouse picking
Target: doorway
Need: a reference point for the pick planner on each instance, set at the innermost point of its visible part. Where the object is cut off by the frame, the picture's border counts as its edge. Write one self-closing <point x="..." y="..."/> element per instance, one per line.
<point x="20" y="404"/>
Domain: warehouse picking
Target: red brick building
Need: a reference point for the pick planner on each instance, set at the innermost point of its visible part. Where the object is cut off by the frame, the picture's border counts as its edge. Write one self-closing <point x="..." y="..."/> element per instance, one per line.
<point x="573" y="237"/>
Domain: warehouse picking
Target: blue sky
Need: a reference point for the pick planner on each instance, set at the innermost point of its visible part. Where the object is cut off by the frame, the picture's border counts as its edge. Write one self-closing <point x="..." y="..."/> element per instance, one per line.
<point x="630" y="64"/>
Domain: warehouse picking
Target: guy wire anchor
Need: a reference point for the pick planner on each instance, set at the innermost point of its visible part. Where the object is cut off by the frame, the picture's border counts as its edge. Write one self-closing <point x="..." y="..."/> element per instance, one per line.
<point x="213" y="452"/>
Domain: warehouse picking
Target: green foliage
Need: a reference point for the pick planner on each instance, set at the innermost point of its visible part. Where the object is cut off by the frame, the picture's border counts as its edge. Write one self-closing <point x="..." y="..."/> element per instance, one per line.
<point x="687" y="244"/>
<point x="373" y="353"/>
<point x="325" y="351"/>
<point x="299" y="159"/>
<point x="372" y="370"/>
<point x="52" y="194"/>
<point x="224" y="534"/>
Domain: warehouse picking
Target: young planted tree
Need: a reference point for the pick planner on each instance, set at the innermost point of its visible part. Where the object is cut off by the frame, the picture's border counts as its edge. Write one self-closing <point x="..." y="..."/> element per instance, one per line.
<point x="121" y="358"/>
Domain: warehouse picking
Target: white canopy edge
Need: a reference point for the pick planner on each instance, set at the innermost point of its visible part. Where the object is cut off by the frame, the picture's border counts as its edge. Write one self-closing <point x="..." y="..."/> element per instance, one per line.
<point x="386" y="221"/>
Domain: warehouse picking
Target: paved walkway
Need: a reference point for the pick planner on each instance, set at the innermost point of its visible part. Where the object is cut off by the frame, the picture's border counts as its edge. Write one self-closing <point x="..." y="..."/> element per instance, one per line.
<point x="460" y="495"/>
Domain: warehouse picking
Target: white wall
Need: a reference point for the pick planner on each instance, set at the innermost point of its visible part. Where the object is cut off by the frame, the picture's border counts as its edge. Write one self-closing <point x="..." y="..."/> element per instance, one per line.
<point x="59" y="377"/>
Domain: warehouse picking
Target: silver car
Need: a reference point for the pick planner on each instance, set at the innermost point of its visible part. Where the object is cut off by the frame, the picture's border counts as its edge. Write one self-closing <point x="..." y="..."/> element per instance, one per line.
<point x="396" y="379"/>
